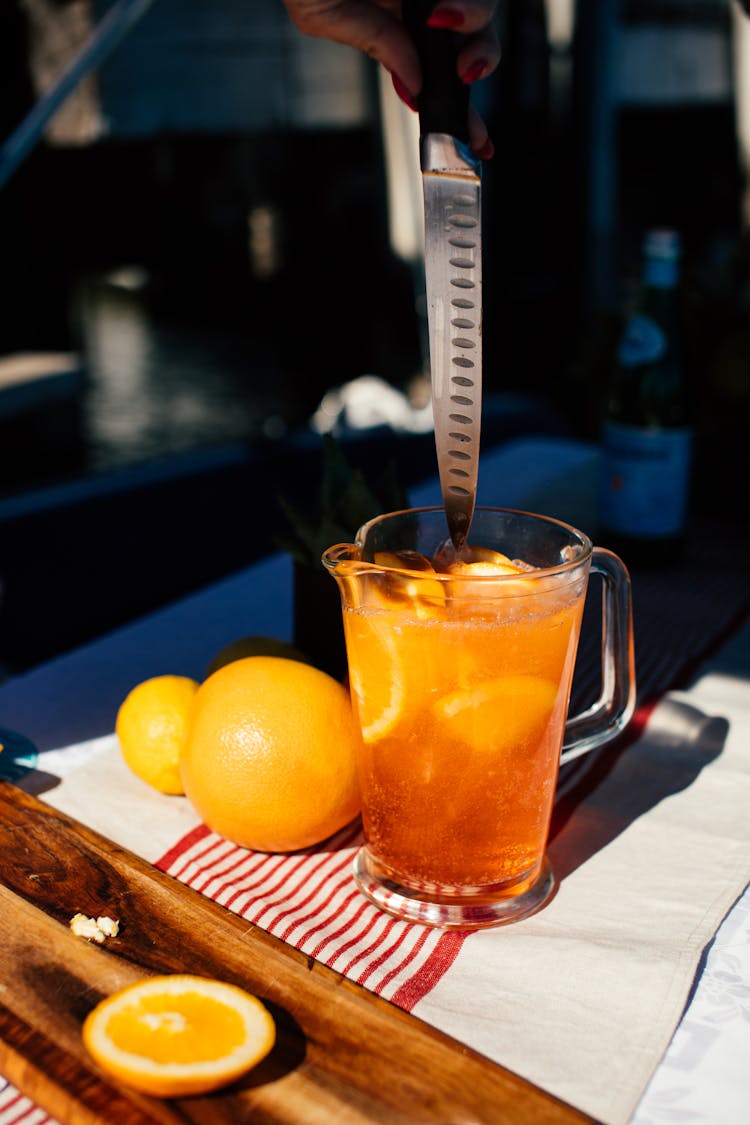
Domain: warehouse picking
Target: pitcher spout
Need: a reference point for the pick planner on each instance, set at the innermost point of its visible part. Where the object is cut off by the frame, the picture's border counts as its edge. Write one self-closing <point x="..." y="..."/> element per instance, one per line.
<point x="344" y="563"/>
<point x="342" y="558"/>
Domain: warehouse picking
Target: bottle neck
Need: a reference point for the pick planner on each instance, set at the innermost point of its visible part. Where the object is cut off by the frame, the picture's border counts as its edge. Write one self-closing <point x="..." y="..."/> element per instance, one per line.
<point x="659" y="292"/>
<point x="660" y="304"/>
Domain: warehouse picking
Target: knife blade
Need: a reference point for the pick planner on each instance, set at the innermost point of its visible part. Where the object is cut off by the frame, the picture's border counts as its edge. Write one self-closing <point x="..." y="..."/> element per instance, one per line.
<point x="452" y="188"/>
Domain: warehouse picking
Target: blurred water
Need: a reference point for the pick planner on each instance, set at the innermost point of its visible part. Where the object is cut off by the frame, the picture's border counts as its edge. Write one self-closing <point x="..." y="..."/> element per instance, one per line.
<point x="155" y="388"/>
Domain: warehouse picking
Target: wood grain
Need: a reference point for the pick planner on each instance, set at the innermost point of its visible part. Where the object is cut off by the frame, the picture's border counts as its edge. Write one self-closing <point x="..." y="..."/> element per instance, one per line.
<point x="342" y="1054"/>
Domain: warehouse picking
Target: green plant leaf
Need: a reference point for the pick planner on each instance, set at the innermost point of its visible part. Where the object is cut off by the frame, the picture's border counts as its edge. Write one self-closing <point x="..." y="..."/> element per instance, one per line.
<point x="346" y="501"/>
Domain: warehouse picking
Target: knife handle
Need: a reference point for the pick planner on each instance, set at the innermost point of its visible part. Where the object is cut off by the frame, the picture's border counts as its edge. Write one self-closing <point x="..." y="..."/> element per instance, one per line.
<point x="443" y="102"/>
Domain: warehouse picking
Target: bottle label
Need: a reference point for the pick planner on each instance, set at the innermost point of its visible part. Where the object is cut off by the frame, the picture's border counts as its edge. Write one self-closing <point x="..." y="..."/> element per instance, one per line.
<point x="645" y="480"/>
<point x="660" y="273"/>
<point x="643" y="342"/>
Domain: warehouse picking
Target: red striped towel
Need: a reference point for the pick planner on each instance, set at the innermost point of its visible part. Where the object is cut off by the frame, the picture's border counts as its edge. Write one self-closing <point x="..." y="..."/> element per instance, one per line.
<point x="310" y="900"/>
<point x="17" y="1109"/>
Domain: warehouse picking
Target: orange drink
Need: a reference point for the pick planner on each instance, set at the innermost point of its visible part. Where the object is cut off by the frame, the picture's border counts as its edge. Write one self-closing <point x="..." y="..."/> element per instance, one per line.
<point x="460" y="670"/>
<point x="462" y="712"/>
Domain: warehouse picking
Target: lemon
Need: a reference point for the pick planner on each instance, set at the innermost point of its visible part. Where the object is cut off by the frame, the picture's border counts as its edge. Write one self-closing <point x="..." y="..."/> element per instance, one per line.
<point x="151" y="726"/>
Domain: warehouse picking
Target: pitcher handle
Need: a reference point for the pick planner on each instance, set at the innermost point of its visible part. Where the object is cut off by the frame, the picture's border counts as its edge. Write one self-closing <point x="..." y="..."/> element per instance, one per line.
<point x="612" y="711"/>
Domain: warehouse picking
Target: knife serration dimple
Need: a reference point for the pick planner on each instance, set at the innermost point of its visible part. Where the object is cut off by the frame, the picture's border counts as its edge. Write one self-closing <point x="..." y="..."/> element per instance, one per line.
<point x="453" y="268"/>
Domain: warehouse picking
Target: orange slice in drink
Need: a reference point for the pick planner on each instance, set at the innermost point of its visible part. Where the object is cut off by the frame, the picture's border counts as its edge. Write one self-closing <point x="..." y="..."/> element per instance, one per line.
<point x="407" y="579"/>
<point x="501" y="714"/>
<point x="486" y="569"/>
<point x="376" y="673"/>
<point x="483" y="561"/>
<point x="404" y="560"/>
<point x="447" y="560"/>
<point x="488" y="555"/>
<point x="173" y="1036"/>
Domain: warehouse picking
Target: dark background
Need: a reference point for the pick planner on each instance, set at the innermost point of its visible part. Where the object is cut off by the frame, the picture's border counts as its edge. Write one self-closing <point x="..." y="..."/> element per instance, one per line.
<point x="133" y="252"/>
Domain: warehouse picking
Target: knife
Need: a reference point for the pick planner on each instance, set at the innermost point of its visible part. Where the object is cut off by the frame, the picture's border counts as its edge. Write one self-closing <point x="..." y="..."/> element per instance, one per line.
<point x="451" y="181"/>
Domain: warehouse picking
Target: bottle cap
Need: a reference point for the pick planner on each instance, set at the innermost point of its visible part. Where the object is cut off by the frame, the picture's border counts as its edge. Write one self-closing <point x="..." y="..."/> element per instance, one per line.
<point x="662" y="243"/>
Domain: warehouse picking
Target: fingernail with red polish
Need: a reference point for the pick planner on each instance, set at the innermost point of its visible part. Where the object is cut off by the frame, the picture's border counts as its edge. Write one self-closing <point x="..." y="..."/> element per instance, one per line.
<point x="449" y="18"/>
<point x="474" y="72"/>
<point x="487" y="151"/>
<point x="406" y="96"/>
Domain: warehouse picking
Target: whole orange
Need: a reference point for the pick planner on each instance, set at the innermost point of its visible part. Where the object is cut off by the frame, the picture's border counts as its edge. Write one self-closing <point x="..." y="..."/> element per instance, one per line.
<point x="270" y="757"/>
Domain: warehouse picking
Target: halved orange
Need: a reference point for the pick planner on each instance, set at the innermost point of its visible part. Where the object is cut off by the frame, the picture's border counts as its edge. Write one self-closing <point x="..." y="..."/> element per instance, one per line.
<point x="178" y="1035"/>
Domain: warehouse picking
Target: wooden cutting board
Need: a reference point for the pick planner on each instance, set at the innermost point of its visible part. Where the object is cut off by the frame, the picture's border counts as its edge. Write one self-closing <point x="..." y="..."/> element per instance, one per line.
<point x="343" y="1055"/>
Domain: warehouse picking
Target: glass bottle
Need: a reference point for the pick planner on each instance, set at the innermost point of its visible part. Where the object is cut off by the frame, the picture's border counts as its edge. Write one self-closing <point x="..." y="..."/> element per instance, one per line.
<point x="647" y="437"/>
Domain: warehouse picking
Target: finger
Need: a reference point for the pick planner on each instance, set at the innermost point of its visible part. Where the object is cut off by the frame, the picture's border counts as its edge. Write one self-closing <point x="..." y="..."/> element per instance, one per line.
<point x="480" y="53"/>
<point x="479" y="138"/>
<point x="374" y="29"/>
<point x="479" y="57"/>
<point x="466" y="16"/>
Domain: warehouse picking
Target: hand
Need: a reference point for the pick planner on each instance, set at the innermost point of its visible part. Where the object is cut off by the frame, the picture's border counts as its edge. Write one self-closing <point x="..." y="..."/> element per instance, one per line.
<point x="375" y="27"/>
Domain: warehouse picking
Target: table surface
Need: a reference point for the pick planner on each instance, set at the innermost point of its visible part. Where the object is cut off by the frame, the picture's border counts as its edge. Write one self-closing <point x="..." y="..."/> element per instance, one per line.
<point x="703" y="1074"/>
